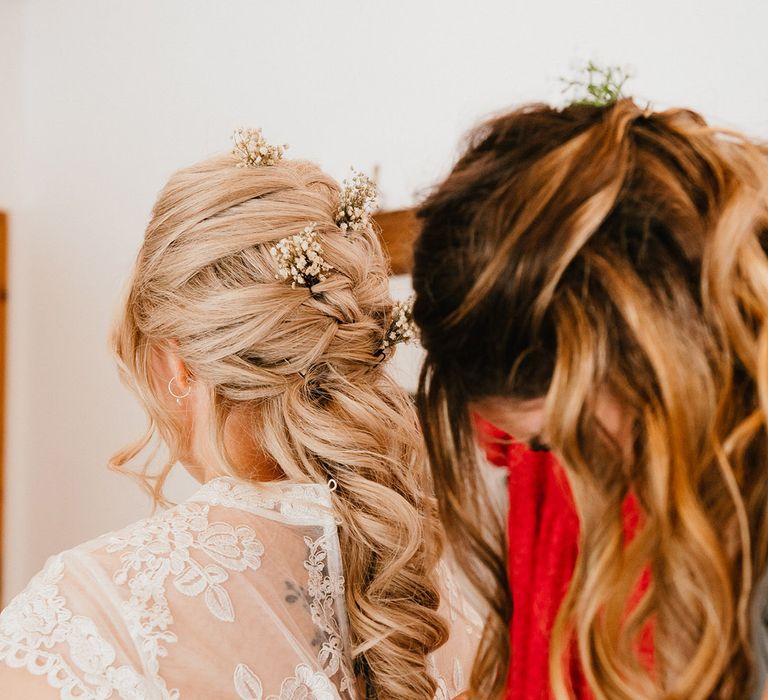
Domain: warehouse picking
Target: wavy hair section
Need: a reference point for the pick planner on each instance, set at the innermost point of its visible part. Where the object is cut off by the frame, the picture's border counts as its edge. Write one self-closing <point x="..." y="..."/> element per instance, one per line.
<point x="303" y="365"/>
<point x="621" y="251"/>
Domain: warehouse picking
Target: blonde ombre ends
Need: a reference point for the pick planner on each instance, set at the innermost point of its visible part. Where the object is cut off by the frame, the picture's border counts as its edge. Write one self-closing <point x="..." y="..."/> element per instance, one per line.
<point x="307" y="364"/>
<point x="622" y="250"/>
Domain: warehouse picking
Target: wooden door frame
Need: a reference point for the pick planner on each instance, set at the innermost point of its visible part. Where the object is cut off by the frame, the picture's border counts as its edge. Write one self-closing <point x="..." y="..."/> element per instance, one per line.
<point x="398" y="230"/>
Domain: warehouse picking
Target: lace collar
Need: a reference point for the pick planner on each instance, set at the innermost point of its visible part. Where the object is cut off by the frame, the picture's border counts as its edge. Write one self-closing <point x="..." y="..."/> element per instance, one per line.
<point x="296" y="502"/>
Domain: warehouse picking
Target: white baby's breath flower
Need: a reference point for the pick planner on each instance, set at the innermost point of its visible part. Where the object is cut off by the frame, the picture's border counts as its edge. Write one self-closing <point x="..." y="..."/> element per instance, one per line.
<point x="252" y="149"/>
<point x="357" y="201"/>
<point x="300" y="258"/>
<point x="401" y="329"/>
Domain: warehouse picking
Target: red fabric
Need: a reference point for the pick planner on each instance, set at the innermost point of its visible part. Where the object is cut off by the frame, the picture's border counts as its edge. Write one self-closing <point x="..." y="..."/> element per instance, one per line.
<point x="543" y="546"/>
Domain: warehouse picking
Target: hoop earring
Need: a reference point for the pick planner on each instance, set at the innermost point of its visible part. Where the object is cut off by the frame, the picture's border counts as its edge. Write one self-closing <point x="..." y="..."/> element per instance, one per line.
<point x="176" y="396"/>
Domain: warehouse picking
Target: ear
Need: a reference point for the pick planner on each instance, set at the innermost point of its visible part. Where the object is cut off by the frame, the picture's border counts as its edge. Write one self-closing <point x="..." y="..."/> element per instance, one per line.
<point x="166" y="365"/>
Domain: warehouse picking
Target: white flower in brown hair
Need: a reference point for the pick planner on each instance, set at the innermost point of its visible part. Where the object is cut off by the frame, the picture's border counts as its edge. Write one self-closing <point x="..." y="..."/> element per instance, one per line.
<point x="357" y="202"/>
<point x="252" y="149"/>
<point x="401" y="329"/>
<point x="300" y="258"/>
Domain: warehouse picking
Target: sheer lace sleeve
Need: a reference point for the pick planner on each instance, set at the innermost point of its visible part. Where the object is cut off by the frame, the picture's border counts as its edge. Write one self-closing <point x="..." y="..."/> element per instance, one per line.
<point x="452" y="663"/>
<point x="56" y="629"/>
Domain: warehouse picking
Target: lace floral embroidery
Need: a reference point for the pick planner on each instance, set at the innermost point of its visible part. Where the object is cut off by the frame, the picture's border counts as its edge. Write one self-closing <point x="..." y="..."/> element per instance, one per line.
<point x="247" y="684"/>
<point x="306" y="684"/>
<point x="442" y="690"/>
<point x="157" y="549"/>
<point x="458" y="606"/>
<point x="324" y="591"/>
<point x="38" y="620"/>
<point x="295" y="501"/>
<point x="230" y="494"/>
<point x="442" y="687"/>
<point x="458" y="676"/>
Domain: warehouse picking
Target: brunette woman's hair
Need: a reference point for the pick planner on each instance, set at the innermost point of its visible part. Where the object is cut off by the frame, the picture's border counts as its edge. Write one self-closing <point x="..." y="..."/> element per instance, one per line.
<point x="615" y="251"/>
<point x="306" y="365"/>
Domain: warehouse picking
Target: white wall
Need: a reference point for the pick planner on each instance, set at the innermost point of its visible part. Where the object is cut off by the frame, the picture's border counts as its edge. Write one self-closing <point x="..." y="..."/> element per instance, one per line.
<point x="11" y="125"/>
<point x="101" y="99"/>
<point x="10" y="97"/>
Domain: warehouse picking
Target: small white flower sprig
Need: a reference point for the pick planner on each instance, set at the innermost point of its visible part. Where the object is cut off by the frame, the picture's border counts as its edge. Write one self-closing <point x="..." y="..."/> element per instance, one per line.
<point x="401" y="329"/>
<point x="357" y="202"/>
<point x="252" y="149"/>
<point x="300" y="258"/>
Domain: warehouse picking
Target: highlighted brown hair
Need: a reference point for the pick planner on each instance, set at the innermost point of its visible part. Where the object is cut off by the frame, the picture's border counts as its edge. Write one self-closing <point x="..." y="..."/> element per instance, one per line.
<point x="611" y="248"/>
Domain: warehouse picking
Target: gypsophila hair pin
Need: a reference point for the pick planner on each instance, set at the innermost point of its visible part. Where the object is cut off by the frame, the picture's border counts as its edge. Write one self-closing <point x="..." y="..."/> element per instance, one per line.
<point x="357" y="202"/>
<point x="401" y="329"/>
<point x="252" y="149"/>
<point x="596" y="86"/>
<point x="300" y="258"/>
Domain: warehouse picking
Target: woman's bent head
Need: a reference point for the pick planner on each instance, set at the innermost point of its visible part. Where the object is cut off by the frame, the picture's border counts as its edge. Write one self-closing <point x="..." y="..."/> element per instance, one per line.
<point x="600" y="275"/>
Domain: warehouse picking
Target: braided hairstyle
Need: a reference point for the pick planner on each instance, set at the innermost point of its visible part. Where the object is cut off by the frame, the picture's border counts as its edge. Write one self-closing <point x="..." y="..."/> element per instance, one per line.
<point x="306" y="361"/>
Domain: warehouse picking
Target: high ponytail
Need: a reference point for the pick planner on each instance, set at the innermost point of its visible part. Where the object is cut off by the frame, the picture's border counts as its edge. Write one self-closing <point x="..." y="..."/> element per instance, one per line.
<point x="306" y="366"/>
<point x="621" y="252"/>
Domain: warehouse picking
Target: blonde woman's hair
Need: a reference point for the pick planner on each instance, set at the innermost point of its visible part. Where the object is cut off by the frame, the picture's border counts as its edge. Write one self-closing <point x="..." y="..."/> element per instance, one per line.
<point x="306" y="362"/>
<point x="611" y="249"/>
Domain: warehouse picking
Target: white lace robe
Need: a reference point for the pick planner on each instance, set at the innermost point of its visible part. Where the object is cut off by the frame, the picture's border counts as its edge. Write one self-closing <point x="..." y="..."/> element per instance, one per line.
<point x="236" y="593"/>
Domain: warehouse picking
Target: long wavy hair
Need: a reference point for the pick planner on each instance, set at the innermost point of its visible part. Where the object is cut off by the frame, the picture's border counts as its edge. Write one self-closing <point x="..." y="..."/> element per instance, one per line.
<point x="304" y="364"/>
<point x="588" y="250"/>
